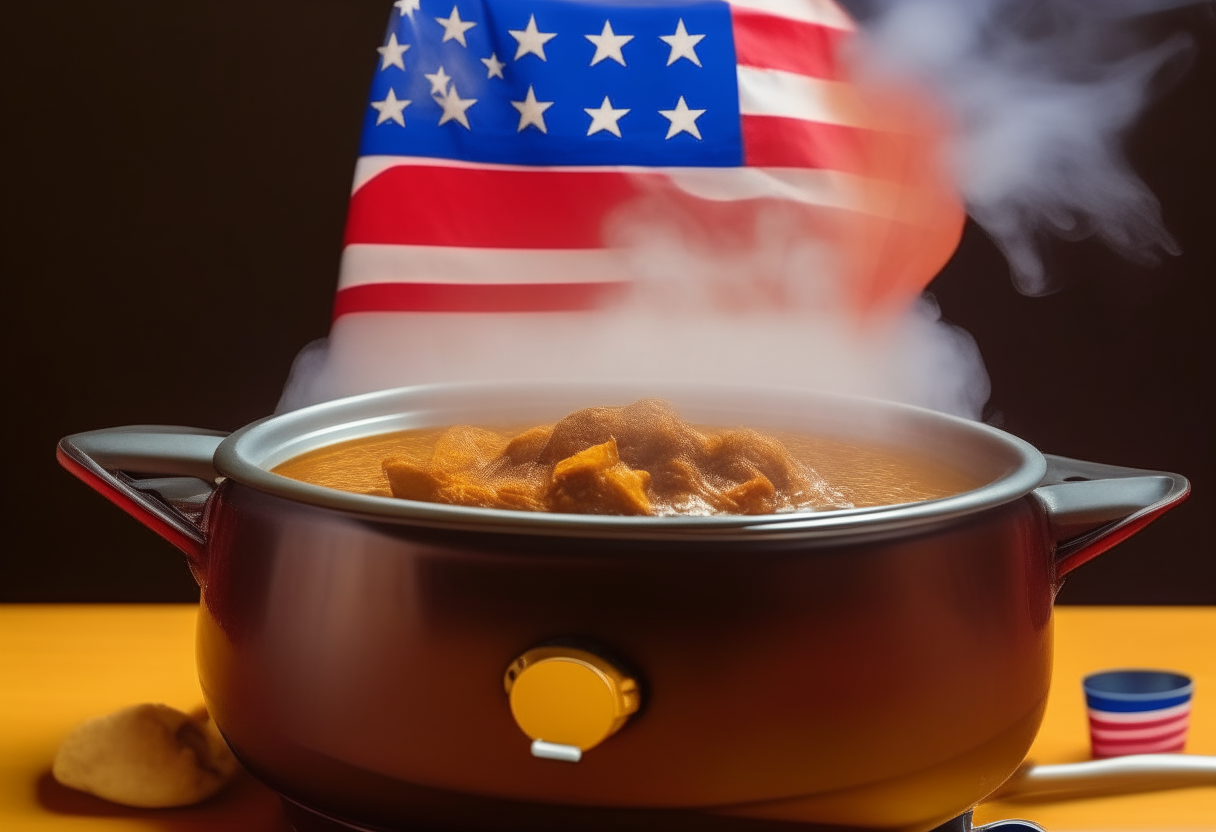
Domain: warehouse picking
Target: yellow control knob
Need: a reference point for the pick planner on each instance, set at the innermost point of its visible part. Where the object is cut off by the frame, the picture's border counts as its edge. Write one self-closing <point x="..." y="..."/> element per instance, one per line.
<point x="569" y="697"/>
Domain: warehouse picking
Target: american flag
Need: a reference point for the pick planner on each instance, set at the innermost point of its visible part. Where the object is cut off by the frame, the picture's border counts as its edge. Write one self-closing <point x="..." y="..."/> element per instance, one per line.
<point x="502" y="135"/>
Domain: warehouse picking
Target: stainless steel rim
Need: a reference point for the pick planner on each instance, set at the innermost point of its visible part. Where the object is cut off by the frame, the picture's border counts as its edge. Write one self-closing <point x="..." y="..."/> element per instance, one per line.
<point x="247" y="454"/>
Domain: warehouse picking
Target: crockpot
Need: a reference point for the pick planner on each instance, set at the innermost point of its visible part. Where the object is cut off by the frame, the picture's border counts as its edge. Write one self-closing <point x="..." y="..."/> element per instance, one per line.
<point x="875" y="668"/>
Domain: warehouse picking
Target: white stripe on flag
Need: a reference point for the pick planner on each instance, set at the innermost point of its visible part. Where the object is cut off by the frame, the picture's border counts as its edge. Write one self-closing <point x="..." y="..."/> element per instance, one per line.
<point x="771" y="92"/>
<point x="808" y="186"/>
<point x="821" y="12"/>
<point x="368" y="168"/>
<point x="364" y="263"/>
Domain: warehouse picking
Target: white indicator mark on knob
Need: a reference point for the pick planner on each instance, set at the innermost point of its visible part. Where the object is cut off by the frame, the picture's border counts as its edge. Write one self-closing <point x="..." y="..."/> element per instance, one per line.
<point x="556" y="751"/>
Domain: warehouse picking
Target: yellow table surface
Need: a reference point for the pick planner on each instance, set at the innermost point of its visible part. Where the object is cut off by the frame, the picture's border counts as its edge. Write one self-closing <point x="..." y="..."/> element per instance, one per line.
<point x="60" y="665"/>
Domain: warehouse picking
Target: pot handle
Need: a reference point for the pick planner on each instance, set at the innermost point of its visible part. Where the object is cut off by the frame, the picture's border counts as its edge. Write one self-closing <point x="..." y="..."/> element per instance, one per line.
<point x="1092" y="507"/>
<point x="169" y="503"/>
<point x="1114" y="775"/>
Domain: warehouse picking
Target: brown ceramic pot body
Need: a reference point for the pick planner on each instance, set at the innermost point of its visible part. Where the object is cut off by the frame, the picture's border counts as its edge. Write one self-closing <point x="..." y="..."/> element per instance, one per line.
<point x="882" y="668"/>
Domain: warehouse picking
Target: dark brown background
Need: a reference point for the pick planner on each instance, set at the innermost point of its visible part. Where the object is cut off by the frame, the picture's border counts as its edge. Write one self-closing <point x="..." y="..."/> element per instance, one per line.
<point x="176" y="181"/>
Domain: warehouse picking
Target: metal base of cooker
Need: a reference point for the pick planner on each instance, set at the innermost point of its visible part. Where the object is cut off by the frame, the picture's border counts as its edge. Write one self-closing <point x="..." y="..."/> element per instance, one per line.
<point x="303" y="819"/>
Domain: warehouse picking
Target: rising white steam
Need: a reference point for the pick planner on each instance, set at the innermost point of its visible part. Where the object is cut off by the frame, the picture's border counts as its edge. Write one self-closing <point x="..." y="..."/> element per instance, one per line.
<point x="1041" y="93"/>
<point x="916" y="358"/>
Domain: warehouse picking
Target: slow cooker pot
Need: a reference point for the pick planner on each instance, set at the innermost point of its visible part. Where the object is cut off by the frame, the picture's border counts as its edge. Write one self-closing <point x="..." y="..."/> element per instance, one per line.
<point x="877" y="668"/>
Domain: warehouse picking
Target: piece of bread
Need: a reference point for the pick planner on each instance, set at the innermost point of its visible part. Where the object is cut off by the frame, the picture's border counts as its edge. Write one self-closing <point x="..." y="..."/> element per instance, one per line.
<point x="149" y="756"/>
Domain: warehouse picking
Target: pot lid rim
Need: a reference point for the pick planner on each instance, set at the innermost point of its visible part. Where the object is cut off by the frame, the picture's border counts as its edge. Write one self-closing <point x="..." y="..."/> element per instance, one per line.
<point x="232" y="461"/>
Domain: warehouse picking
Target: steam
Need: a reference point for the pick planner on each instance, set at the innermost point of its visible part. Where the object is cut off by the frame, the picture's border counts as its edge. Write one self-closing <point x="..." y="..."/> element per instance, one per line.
<point x="1041" y="93"/>
<point x="916" y="358"/>
<point x="1037" y="95"/>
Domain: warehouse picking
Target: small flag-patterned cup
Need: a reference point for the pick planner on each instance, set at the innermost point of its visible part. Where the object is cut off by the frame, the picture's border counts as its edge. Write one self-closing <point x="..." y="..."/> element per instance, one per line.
<point x="1137" y="711"/>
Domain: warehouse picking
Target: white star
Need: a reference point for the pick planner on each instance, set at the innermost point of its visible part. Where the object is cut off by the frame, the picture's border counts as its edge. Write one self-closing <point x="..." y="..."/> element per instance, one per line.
<point x="608" y="45"/>
<point x="682" y="44"/>
<point x="454" y="28"/>
<point x="683" y="120"/>
<point x="493" y="66"/>
<point x="439" y="81"/>
<point x="391" y="53"/>
<point x="391" y="108"/>
<point x="454" y="107"/>
<point x="531" y="40"/>
<point x="532" y="112"/>
<point x="407" y="7"/>
<point x="605" y="118"/>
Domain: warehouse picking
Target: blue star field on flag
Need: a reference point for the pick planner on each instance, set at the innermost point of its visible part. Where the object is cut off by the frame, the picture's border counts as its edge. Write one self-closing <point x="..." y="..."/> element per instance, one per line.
<point x="557" y="83"/>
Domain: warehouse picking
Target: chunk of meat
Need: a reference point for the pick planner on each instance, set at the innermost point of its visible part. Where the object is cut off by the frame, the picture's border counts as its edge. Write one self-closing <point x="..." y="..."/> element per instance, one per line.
<point x="635" y="460"/>
<point x="456" y="473"/>
<point x="595" y="481"/>
<point x="646" y="431"/>
<point x="412" y="480"/>
<point x="756" y="496"/>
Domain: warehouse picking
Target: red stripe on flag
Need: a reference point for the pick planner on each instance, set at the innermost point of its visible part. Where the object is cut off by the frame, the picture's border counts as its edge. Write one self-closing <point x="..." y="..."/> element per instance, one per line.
<point x="775" y="142"/>
<point x="768" y="42"/>
<point x="466" y="297"/>
<point x="480" y="208"/>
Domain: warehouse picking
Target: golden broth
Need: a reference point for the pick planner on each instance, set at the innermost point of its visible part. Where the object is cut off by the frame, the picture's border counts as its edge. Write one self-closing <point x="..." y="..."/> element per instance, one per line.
<point x="866" y="473"/>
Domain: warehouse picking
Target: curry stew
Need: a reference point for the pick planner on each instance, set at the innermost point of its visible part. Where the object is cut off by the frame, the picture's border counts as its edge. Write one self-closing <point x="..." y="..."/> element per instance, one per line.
<point x="641" y="459"/>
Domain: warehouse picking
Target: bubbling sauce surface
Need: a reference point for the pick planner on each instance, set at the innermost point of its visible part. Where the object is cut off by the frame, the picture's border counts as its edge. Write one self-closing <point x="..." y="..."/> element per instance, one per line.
<point x="641" y="459"/>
